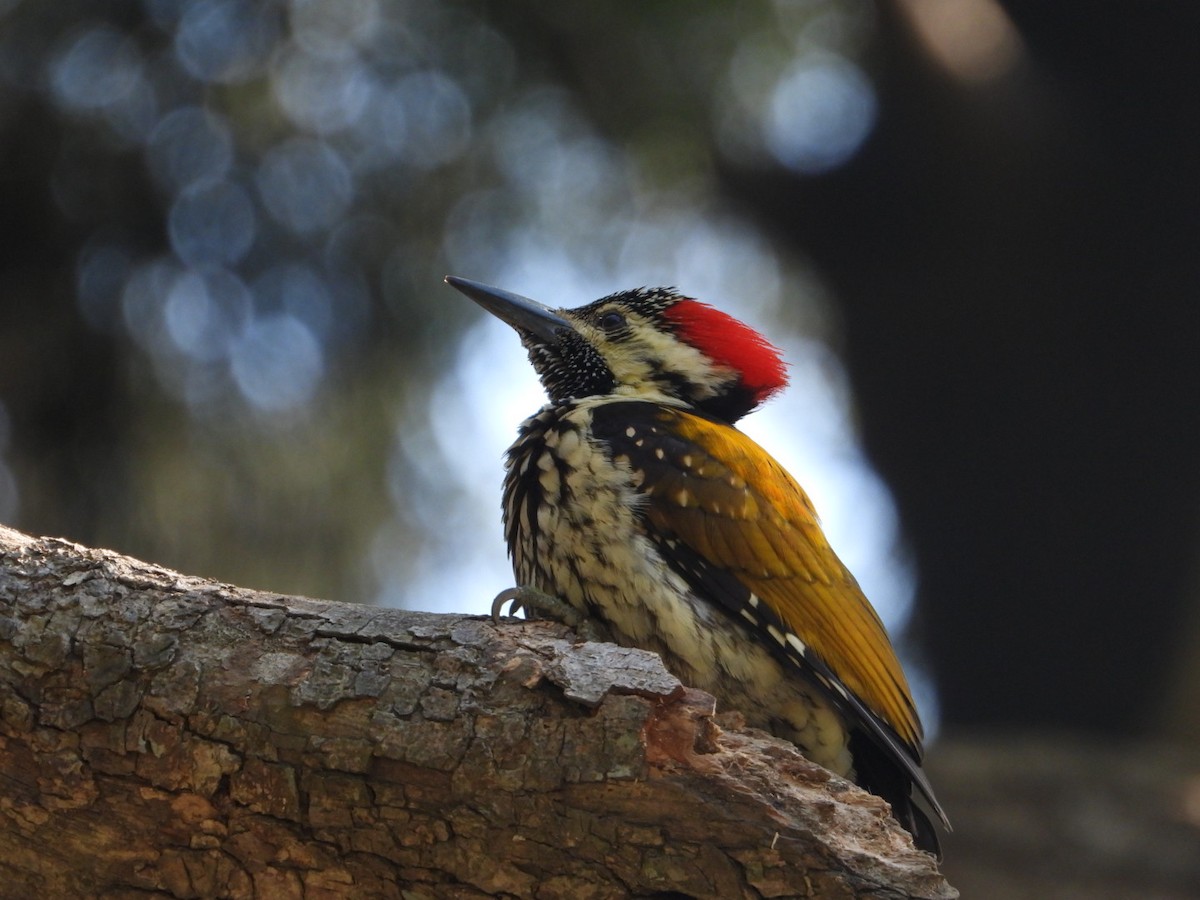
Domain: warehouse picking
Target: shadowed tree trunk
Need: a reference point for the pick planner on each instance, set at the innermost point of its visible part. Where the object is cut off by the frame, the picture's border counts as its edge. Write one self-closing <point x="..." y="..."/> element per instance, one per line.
<point x="167" y="735"/>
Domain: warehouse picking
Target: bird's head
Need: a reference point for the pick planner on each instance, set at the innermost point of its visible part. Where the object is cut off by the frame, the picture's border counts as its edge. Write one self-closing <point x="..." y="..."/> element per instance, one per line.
<point x="649" y="343"/>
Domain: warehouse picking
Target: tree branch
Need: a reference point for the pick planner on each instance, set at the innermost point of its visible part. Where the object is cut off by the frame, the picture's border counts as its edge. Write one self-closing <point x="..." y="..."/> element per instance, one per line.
<point x="167" y="734"/>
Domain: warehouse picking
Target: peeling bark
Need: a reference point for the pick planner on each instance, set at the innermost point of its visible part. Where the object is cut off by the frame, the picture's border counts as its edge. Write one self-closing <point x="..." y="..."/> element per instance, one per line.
<point x="167" y="735"/>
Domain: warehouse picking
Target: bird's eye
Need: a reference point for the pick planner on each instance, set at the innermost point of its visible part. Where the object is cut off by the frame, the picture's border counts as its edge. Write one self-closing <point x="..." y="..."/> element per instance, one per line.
<point x="612" y="321"/>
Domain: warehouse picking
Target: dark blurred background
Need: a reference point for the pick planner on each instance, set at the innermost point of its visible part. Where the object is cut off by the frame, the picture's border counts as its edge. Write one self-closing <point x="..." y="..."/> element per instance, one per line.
<point x="973" y="225"/>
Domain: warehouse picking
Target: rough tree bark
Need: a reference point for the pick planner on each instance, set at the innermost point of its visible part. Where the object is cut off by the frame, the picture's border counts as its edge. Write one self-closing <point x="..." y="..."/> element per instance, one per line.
<point x="165" y="735"/>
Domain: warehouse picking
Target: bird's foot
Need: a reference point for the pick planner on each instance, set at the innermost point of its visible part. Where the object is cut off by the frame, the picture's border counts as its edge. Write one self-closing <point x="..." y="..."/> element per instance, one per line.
<point x="540" y="605"/>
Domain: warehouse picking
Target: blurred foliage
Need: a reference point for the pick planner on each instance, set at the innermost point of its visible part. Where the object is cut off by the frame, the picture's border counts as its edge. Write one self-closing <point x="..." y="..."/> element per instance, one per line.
<point x="226" y="346"/>
<point x="226" y="225"/>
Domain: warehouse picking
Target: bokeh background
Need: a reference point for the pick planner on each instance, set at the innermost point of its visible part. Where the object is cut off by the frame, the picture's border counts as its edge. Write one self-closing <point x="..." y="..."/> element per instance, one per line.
<point x="973" y="227"/>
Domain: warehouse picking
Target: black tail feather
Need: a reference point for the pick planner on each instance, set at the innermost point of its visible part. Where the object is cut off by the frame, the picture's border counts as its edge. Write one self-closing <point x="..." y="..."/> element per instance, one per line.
<point x="883" y="776"/>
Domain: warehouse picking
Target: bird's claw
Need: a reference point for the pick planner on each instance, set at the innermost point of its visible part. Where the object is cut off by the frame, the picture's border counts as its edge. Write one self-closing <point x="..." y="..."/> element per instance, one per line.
<point x="509" y="595"/>
<point x="538" y="604"/>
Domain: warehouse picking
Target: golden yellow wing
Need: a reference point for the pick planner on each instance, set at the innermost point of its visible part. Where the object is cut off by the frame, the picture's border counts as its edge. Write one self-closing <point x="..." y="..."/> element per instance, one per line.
<point x="715" y="491"/>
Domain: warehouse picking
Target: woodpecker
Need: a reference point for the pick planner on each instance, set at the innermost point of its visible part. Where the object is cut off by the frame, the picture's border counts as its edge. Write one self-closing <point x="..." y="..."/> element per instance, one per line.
<point x="633" y="499"/>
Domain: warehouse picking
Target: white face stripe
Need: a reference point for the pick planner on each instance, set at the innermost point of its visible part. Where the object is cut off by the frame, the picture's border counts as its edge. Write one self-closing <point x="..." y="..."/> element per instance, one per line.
<point x="629" y="359"/>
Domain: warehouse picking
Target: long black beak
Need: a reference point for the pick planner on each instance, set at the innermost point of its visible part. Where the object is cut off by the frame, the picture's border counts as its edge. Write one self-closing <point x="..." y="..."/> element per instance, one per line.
<point x="519" y="312"/>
